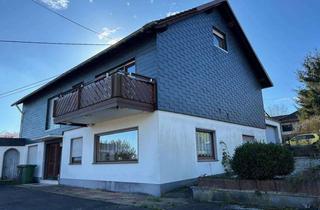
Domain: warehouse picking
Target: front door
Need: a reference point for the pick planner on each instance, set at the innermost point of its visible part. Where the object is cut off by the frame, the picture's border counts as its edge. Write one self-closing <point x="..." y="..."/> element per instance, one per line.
<point x="53" y="159"/>
<point x="10" y="163"/>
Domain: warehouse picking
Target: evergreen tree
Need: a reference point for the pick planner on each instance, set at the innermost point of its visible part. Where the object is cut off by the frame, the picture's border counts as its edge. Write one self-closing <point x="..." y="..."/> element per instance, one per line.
<point x="309" y="94"/>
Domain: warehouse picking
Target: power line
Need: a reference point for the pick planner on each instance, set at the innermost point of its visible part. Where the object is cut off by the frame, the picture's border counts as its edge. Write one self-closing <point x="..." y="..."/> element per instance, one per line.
<point x="52" y="43"/>
<point x="26" y="86"/>
<point x="22" y="90"/>
<point x="68" y="19"/>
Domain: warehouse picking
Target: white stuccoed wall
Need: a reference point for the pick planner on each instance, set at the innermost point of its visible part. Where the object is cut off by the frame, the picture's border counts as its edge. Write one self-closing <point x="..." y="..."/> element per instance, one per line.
<point x="22" y="155"/>
<point x="178" y="145"/>
<point x="167" y="149"/>
<point x="145" y="171"/>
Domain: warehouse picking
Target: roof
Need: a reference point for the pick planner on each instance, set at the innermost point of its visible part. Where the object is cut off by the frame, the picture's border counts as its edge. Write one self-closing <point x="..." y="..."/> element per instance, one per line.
<point x="160" y="25"/>
<point x="287" y="118"/>
<point x="13" y="141"/>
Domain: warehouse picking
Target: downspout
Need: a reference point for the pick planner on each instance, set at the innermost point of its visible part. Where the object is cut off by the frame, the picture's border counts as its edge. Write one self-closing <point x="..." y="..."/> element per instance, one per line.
<point x="19" y="109"/>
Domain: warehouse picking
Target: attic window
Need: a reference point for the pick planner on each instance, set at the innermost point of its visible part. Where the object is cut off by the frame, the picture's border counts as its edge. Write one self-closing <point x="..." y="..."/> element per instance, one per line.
<point x="219" y="39"/>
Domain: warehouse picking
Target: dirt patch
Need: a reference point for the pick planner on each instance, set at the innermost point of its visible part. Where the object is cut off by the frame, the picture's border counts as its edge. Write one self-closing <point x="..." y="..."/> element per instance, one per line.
<point x="131" y="199"/>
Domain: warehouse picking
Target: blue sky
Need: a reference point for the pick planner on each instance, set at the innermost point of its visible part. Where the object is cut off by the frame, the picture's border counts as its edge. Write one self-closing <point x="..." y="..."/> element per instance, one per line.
<point x="282" y="32"/>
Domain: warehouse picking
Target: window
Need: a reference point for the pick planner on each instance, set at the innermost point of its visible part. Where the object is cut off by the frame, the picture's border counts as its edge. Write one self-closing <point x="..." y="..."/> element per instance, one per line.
<point x="117" y="146"/>
<point x="287" y="128"/>
<point x="310" y="136"/>
<point x="32" y="155"/>
<point x="205" y="144"/>
<point x="131" y="68"/>
<point x="248" y="139"/>
<point x="219" y="39"/>
<point x="50" y="123"/>
<point x="128" y="67"/>
<point x="76" y="151"/>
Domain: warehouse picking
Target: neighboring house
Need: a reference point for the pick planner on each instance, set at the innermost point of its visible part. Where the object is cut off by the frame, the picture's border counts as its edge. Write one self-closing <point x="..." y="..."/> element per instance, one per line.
<point x="273" y="131"/>
<point x="148" y="113"/>
<point x="289" y="124"/>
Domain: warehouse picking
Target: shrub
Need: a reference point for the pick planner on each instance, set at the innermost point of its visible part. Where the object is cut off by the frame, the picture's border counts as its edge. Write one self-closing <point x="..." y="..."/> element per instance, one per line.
<point x="262" y="161"/>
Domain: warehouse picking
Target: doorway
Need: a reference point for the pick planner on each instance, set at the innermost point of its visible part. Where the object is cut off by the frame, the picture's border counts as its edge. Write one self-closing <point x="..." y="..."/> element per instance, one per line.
<point x="52" y="159"/>
<point x="10" y="163"/>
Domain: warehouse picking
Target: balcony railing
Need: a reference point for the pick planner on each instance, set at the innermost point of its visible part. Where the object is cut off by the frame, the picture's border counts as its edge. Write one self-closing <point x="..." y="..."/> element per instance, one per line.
<point x="134" y="91"/>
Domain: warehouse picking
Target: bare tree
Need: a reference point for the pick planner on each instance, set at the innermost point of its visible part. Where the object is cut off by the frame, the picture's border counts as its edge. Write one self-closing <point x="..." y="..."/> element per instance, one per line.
<point x="8" y="134"/>
<point x="277" y="109"/>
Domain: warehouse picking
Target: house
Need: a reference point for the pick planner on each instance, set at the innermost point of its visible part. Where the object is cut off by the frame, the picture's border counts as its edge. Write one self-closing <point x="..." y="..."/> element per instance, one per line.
<point x="148" y="113"/>
<point x="289" y="124"/>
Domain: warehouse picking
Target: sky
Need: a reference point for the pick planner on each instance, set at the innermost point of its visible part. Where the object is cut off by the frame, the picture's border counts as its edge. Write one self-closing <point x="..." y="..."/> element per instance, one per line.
<point x="282" y="33"/>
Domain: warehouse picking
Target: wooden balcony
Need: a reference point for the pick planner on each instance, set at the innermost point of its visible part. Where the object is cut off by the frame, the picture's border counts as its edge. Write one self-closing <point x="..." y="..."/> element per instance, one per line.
<point x="106" y="98"/>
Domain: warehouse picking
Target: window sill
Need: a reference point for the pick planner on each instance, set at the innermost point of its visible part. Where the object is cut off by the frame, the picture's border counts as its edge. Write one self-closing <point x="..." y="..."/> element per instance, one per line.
<point x="75" y="164"/>
<point x="208" y="160"/>
<point x="223" y="50"/>
<point x="116" y="162"/>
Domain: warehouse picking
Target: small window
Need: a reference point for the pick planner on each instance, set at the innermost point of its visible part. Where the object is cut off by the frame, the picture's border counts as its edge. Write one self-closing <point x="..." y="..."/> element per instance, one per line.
<point x="117" y="146"/>
<point x="76" y="151"/>
<point x="32" y="155"/>
<point x="50" y="108"/>
<point x="205" y="144"/>
<point x="131" y="68"/>
<point x="248" y="139"/>
<point x="287" y="128"/>
<point x="219" y="39"/>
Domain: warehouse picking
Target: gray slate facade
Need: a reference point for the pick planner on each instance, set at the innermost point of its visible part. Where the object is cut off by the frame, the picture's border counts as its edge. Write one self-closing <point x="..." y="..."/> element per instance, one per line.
<point x="194" y="77"/>
<point x="200" y="79"/>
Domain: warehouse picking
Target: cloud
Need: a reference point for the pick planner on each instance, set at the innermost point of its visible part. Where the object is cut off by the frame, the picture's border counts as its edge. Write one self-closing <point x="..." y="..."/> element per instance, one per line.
<point x="113" y="41"/>
<point x="172" y="13"/>
<point x="90" y="1"/>
<point x="151" y="1"/>
<point x="57" y="4"/>
<point x="106" y="32"/>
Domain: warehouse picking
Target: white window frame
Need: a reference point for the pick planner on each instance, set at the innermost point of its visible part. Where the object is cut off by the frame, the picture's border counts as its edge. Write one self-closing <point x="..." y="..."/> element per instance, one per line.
<point x="72" y="162"/>
<point x="219" y="34"/>
<point x="248" y="136"/>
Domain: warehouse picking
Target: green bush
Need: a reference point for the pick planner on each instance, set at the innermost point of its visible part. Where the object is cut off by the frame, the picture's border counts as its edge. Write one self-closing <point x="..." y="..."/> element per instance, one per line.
<point x="262" y="161"/>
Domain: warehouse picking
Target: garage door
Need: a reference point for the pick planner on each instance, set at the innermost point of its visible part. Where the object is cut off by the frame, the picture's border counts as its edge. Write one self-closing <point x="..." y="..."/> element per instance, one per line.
<point x="272" y="134"/>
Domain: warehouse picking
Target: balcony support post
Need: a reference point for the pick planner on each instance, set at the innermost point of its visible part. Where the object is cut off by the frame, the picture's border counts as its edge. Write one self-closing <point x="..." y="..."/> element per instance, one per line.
<point x="79" y="97"/>
<point x="116" y="85"/>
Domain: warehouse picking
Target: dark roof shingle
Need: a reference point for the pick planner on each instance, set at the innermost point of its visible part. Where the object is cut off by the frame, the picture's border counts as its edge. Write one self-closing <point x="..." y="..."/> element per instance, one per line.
<point x="161" y="24"/>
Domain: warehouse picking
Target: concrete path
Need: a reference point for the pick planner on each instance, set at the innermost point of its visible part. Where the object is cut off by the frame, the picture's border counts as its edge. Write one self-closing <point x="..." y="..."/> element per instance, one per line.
<point x="60" y="197"/>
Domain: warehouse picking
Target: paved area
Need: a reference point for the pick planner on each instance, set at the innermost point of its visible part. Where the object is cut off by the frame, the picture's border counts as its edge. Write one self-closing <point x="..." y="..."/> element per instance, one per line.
<point x="58" y="197"/>
<point x="21" y="198"/>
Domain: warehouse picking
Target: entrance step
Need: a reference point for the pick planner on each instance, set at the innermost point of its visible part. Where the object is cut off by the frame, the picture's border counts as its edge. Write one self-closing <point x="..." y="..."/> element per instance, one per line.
<point x="49" y="182"/>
